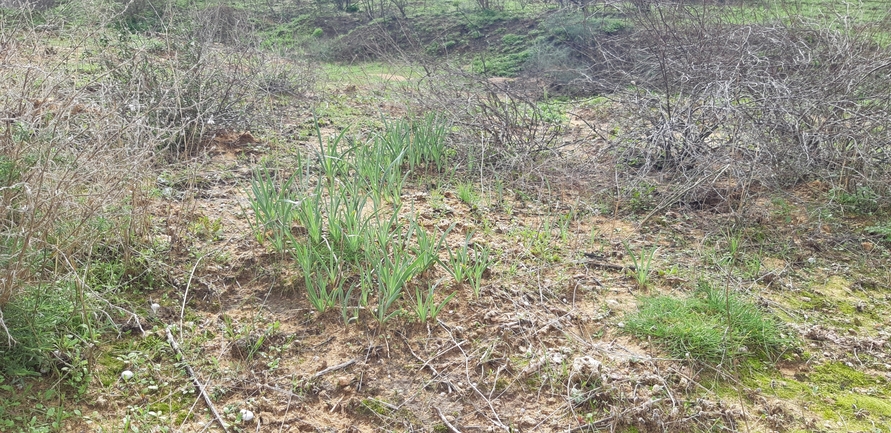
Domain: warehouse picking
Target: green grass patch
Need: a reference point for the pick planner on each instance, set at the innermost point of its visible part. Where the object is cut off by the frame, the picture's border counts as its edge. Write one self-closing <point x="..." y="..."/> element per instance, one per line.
<point x="711" y="325"/>
<point x="503" y="65"/>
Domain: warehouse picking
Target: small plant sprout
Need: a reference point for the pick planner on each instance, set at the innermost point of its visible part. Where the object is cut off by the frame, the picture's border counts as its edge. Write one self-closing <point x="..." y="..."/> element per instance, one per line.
<point x="481" y="262"/>
<point x="273" y="206"/>
<point x="467" y="194"/>
<point x="426" y="307"/>
<point x="309" y="212"/>
<point x="332" y="161"/>
<point x="469" y="264"/>
<point x="459" y="262"/>
<point x="642" y="265"/>
<point x="427" y="246"/>
<point x="395" y="268"/>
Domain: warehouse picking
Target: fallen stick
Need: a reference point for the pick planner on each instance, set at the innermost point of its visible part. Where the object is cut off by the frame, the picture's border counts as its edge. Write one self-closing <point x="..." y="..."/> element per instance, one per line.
<point x="195" y="380"/>
<point x="333" y="368"/>
<point x="442" y="418"/>
<point x="608" y="265"/>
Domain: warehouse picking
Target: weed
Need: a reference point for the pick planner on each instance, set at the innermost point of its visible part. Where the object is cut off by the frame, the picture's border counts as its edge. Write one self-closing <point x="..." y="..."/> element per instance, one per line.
<point x="273" y="207"/>
<point x="469" y="264"/>
<point x="500" y="65"/>
<point x="540" y="242"/>
<point x="863" y="200"/>
<point x="642" y="265"/>
<point x="206" y="228"/>
<point x="426" y="307"/>
<point x="883" y="230"/>
<point x="641" y="197"/>
<point x="467" y="194"/>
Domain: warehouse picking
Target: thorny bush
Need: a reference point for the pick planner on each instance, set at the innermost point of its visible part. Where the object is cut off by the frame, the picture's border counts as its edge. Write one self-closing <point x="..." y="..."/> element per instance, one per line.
<point x="708" y="95"/>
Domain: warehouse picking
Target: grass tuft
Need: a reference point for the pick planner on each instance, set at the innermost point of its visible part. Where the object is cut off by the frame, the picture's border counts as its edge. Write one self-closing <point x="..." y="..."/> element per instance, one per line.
<point x="710" y="326"/>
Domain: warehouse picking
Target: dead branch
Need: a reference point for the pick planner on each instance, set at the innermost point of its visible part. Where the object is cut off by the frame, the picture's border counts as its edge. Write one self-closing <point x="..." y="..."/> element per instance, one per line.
<point x="442" y="418"/>
<point x="333" y="368"/>
<point x="195" y="380"/>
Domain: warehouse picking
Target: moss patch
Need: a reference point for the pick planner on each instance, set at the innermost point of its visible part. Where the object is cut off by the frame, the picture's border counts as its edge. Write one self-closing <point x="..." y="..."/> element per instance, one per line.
<point x="873" y="405"/>
<point x="838" y="375"/>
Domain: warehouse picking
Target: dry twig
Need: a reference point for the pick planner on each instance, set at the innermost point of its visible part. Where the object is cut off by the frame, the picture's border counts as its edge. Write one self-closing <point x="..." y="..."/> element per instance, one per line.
<point x="333" y="368"/>
<point x="442" y="418"/>
<point x="195" y="380"/>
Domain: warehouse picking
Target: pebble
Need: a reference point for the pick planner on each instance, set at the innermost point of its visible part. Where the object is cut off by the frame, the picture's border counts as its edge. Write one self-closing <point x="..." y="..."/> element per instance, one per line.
<point x="344" y="381"/>
<point x="246" y="415"/>
<point x="127" y="375"/>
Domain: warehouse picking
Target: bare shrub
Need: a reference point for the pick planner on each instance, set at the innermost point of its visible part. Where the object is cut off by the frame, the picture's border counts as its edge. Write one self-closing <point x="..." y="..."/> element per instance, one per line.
<point x="769" y="102"/>
<point x="222" y="24"/>
<point x="502" y="119"/>
<point x="38" y="5"/>
<point x="71" y="173"/>
<point x="200" y="86"/>
<point x="82" y="128"/>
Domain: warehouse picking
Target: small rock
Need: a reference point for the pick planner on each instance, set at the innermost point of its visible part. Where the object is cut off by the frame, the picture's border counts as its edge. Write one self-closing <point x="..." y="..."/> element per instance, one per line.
<point x="344" y="381"/>
<point x="527" y="421"/>
<point x="246" y="415"/>
<point x="127" y="375"/>
<point x="585" y="367"/>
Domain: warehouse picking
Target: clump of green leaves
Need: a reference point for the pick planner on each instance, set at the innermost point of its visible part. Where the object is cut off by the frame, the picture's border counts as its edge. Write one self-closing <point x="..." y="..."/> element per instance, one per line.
<point x="883" y="230"/>
<point x="642" y="265"/>
<point x="469" y="263"/>
<point x="711" y="325"/>
<point x="467" y="194"/>
<point x="862" y="200"/>
<point x="273" y="207"/>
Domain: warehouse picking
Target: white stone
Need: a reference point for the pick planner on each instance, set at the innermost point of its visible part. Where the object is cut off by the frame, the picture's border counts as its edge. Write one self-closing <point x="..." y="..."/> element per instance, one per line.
<point x="246" y="415"/>
<point x="584" y="367"/>
<point x="127" y="375"/>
